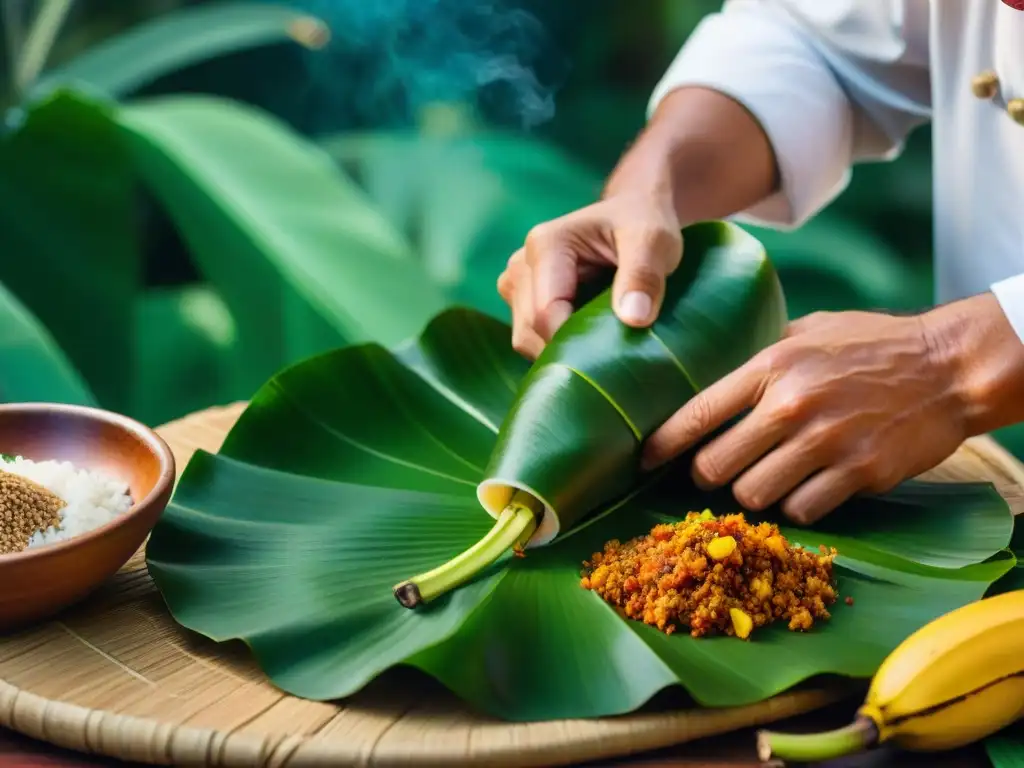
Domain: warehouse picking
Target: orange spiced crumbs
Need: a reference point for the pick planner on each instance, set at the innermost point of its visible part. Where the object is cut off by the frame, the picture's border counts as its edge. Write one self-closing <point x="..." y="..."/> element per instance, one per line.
<point x="714" y="575"/>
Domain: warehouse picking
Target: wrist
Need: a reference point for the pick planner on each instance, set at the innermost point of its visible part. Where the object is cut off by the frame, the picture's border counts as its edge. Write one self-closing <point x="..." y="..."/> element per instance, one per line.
<point x="703" y="154"/>
<point x="645" y="173"/>
<point x="973" y="344"/>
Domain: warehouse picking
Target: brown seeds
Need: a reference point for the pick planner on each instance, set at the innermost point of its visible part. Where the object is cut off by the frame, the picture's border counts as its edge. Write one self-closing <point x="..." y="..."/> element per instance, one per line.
<point x="25" y="509"/>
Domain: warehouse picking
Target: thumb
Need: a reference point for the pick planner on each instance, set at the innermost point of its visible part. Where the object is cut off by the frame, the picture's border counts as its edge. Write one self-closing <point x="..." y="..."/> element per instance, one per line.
<point x="645" y="259"/>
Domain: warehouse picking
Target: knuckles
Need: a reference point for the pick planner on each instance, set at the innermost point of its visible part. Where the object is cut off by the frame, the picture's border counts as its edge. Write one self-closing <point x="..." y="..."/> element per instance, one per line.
<point x="709" y="467"/>
<point x="872" y="473"/>
<point x="505" y="284"/>
<point x="789" y="405"/>
<point x="524" y="343"/>
<point x="540" y="239"/>
<point x="695" y="419"/>
<point x="659" y="238"/>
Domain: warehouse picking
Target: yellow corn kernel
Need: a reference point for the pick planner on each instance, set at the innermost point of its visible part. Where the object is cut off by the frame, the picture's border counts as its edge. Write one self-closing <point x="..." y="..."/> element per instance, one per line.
<point x="722" y="547"/>
<point x="776" y="545"/>
<point x="741" y="623"/>
<point x="761" y="588"/>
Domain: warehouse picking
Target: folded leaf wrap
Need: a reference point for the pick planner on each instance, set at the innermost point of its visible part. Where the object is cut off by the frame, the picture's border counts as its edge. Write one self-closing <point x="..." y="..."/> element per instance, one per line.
<point x="616" y="384"/>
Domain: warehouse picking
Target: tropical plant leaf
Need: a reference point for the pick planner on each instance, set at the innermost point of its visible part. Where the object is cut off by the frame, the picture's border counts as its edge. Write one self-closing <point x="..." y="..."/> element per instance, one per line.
<point x="67" y="221"/>
<point x="182" y="38"/>
<point x="358" y="468"/>
<point x="184" y="338"/>
<point x="833" y="264"/>
<point x="32" y="366"/>
<point x="465" y="201"/>
<point x="1006" y="749"/>
<point x="299" y="254"/>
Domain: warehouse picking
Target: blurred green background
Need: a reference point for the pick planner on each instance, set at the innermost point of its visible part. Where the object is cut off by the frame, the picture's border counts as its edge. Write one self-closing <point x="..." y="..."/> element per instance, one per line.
<point x="221" y="190"/>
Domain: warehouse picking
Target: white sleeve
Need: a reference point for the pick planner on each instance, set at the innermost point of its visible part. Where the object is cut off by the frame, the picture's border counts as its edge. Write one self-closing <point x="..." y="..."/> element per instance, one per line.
<point x="831" y="82"/>
<point x="1010" y="294"/>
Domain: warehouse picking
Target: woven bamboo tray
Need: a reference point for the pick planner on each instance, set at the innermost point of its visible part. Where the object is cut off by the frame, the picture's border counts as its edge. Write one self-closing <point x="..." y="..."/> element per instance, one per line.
<point x="116" y="676"/>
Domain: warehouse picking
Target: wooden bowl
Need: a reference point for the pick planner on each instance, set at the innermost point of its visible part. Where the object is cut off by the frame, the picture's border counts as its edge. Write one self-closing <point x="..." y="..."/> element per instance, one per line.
<point x="37" y="583"/>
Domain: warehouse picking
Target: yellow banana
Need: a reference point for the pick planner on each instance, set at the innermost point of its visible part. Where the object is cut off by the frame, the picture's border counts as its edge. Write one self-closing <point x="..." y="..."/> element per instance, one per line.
<point x="955" y="681"/>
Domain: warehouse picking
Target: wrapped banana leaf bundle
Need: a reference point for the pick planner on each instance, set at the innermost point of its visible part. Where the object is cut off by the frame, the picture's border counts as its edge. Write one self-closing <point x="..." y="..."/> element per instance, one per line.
<point x="538" y="572"/>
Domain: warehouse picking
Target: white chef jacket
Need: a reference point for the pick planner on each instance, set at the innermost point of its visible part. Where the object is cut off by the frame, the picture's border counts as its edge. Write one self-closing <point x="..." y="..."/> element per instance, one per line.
<point x="834" y="82"/>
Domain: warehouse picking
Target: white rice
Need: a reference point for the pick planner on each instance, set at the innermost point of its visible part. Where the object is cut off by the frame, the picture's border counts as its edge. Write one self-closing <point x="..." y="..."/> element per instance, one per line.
<point x="91" y="499"/>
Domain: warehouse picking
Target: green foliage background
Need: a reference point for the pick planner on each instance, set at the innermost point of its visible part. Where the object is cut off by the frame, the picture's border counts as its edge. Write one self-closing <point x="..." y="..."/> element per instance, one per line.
<point x="595" y="61"/>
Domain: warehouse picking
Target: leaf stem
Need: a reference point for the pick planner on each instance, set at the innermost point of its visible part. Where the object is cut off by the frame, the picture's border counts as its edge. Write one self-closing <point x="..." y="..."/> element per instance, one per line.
<point x="859" y="735"/>
<point x="513" y="528"/>
<point x="39" y="43"/>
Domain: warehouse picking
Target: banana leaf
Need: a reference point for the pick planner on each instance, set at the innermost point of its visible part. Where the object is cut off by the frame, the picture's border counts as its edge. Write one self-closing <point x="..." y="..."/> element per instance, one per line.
<point x="357" y="468"/>
<point x="465" y="201"/>
<point x="67" y="239"/>
<point x="180" y="39"/>
<point x="32" y="366"/>
<point x="1006" y="749"/>
<point x="184" y="339"/>
<point x="301" y="257"/>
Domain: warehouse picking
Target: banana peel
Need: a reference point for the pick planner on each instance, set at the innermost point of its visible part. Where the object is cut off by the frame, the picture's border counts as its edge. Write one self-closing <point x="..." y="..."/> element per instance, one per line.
<point x="957" y="680"/>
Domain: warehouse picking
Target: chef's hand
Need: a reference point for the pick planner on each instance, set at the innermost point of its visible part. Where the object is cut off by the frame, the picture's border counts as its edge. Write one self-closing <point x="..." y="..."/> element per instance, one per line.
<point x="849" y="402"/>
<point x="637" y="235"/>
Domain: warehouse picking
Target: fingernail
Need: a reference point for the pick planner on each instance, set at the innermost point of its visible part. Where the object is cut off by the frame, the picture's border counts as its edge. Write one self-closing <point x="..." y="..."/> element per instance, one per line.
<point x="635" y="307"/>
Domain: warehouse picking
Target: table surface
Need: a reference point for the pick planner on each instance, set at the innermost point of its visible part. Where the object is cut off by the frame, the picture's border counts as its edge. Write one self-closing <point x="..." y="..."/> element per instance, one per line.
<point x="734" y="750"/>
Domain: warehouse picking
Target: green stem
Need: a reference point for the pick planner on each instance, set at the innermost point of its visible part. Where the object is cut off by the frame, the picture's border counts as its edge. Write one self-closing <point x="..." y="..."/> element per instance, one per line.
<point x="514" y="527"/>
<point x="39" y="42"/>
<point x="861" y="734"/>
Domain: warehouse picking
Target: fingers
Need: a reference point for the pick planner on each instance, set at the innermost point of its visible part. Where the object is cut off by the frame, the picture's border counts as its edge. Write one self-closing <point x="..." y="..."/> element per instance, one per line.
<point x="516" y="289"/>
<point x="554" y="274"/>
<point x="541" y="280"/>
<point x="646" y="256"/>
<point x="707" y="411"/>
<point x="778" y="473"/>
<point x="719" y="462"/>
<point x="821" y="494"/>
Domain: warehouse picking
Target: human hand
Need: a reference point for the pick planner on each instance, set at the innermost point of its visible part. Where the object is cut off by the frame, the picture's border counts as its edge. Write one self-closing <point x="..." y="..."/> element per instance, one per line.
<point x="846" y="402"/>
<point x="638" y="235"/>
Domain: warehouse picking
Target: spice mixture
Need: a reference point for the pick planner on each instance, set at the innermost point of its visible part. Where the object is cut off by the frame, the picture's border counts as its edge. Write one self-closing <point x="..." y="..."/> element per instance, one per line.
<point x="26" y="508"/>
<point x="714" y="575"/>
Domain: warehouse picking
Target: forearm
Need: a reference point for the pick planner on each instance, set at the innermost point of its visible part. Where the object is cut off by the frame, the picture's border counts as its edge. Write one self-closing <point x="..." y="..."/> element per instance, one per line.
<point x="705" y="152"/>
<point x="977" y="344"/>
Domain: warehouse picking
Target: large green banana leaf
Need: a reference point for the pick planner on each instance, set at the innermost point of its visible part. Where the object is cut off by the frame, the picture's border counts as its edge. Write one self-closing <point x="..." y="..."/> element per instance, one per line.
<point x="297" y="251"/>
<point x="67" y="241"/>
<point x="359" y="468"/>
<point x="179" y="39"/>
<point x="185" y="341"/>
<point x="32" y="366"/>
<point x="465" y="201"/>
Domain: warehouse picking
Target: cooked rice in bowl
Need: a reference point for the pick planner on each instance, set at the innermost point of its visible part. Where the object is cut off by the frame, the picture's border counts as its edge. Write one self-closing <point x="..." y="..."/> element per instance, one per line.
<point x="70" y="500"/>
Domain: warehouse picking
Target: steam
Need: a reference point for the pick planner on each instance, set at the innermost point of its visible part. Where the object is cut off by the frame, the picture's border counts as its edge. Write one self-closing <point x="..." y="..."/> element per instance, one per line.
<point x="390" y="58"/>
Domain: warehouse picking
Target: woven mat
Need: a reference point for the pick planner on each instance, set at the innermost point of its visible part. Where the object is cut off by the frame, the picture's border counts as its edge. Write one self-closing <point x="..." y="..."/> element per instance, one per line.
<point x="116" y="676"/>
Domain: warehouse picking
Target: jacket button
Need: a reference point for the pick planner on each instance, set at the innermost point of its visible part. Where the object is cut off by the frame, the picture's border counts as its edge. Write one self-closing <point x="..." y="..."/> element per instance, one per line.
<point x="985" y="85"/>
<point x="1016" y="109"/>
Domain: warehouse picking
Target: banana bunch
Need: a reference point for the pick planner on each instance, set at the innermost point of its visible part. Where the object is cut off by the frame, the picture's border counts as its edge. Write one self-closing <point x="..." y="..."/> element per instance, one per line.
<point x="955" y="681"/>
